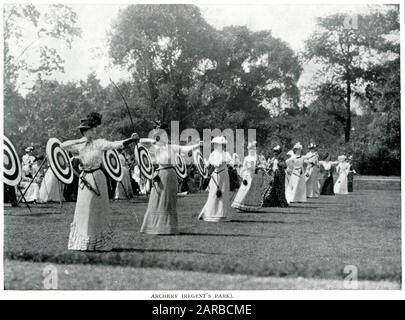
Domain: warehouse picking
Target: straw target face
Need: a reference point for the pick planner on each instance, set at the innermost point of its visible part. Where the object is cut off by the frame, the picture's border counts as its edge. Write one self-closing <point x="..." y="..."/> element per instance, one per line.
<point x="144" y="161"/>
<point x="181" y="168"/>
<point x="112" y="165"/>
<point x="11" y="164"/>
<point x="59" y="161"/>
<point x="200" y="164"/>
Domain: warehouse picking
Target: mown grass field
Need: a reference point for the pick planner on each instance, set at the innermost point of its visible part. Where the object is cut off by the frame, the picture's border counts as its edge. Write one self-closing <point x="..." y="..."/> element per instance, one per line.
<point x="315" y="240"/>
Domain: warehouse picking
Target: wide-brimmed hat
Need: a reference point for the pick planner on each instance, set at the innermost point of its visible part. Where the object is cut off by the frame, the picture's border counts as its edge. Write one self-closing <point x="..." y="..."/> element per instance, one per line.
<point x="290" y="153"/>
<point x="158" y="124"/>
<point x="252" y="145"/>
<point x="341" y="158"/>
<point x="311" y="145"/>
<point x="28" y="149"/>
<point x="92" y="120"/>
<point x="298" y="145"/>
<point x="219" y="140"/>
<point x="277" y="148"/>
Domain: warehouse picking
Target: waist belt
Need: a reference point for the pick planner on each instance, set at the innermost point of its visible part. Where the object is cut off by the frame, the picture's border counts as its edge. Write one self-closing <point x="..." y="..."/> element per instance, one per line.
<point x="164" y="168"/>
<point x="92" y="170"/>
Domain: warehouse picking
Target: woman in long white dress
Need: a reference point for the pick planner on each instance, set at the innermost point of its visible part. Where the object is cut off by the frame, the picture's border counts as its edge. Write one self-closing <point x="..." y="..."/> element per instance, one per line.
<point x="51" y="189"/>
<point x="289" y="162"/>
<point x="342" y="170"/>
<point x="91" y="229"/>
<point x="250" y="194"/>
<point x="297" y="190"/>
<point x="217" y="207"/>
<point x="161" y="214"/>
<point x="124" y="187"/>
<point x="312" y="172"/>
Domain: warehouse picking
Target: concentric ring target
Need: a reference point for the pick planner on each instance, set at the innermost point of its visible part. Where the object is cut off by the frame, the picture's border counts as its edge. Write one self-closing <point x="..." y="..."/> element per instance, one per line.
<point x="144" y="161"/>
<point x="11" y="164"/>
<point x="59" y="161"/>
<point x="200" y="164"/>
<point x="112" y="165"/>
<point x="181" y="168"/>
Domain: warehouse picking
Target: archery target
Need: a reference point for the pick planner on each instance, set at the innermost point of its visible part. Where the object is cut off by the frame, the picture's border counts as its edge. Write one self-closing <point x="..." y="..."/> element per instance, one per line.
<point x="59" y="161"/>
<point x="11" y="164"/>
<point x="112" y="165"/>
<point x="200" y="164"/>
<point x="181" y="168"/>
<point x="144" y="161"/>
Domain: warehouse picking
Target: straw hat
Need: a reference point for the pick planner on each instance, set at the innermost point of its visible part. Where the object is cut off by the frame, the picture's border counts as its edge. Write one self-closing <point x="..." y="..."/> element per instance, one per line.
<point x="252" y="145"/>
<point x="298" y="145"/>
<point x="219" y="140"/>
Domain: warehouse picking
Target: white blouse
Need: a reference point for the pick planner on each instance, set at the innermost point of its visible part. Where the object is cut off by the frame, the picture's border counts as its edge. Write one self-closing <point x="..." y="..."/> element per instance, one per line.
<point x="218" y="158"/>
<point x="90" y="153"/>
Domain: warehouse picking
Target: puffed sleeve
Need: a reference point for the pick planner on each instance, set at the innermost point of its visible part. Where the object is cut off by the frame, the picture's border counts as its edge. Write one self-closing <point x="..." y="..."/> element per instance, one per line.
<point x="109" y="145"/>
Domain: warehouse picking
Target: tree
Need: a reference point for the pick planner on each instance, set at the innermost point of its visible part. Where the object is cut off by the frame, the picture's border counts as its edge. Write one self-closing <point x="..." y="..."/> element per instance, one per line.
<point x="348" y="51"/>
<point x="162" y="46"/>
<point x="57" y="22"/>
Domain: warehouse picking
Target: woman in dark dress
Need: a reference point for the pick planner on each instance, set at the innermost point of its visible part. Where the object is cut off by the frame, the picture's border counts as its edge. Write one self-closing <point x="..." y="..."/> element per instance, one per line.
<point x="327" y="168"/>
<point x="350" y="175"/>
<point x="275" y="196"/>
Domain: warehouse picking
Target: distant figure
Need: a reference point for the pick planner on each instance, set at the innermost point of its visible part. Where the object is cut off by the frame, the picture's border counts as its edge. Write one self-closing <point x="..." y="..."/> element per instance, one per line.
<point x="276" y="196"/>
<point x="124" y="188"/>
<point x="342" y="169"/>
<point x="326" y="182"/>
<point x="250" y="194"/>
<point x="297" y="190"/>
<point x="351" y="174"/>
<point x="311" y="172"/>
<point x="217" y="208"/>
<point x="51" y="188"/>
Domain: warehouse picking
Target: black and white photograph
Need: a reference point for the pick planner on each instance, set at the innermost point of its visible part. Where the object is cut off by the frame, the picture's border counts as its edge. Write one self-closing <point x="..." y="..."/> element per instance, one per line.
<point x="206" y="147"/>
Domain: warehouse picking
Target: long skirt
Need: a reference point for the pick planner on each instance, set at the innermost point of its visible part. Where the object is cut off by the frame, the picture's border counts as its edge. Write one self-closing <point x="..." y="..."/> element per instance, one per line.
<point x="51" y="189"/>
<point x="276" y="196"/>
<point x="250" y="194"/>
<point x="297" y="189"/>
<point x="91" y="227"/>
<point x="350" y="177"/>
<point x="161" y="215"/>
<point x="312" y="183"/>
<point x="31" y="192"/>
<point x="217" y="208"/>
<point x="327" y="187"/>
<point x="124" y="187"/>
<point x="340" y="186"/>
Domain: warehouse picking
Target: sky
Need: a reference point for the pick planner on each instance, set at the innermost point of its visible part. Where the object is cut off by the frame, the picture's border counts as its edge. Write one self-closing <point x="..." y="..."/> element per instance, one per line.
<point x="291" y="23"/>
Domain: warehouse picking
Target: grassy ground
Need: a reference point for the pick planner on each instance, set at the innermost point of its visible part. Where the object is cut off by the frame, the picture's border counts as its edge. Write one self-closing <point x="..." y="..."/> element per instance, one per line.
<point x="30" y="276"/>
<point x="312" y="240"/>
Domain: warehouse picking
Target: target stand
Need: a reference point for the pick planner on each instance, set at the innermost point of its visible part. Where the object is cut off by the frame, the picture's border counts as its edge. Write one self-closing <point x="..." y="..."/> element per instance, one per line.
<point x="12" y="170"/>
<point x="180" y="166"/>
<point x="60" y="164"/>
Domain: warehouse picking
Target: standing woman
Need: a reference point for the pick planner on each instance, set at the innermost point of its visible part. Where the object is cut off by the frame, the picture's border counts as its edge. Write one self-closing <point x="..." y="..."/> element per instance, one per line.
<point x="124" y="187"/>
<point x="342" y="169"/>
<point x="249" y="196"/>
<point x="217" y="207"/>
<point x="91" y="227"/>
<point x="326" y="167"/>
<point x="297" y="185"/>
<point x="312" y="171"/>
<point x="276" y="197"/>
<point x="161" y="214"/>
<point x="351" y="174"/>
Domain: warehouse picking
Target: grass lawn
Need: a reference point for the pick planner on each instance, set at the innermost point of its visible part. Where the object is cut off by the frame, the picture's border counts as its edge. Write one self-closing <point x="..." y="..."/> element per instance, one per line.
<point x="312" y="240"/>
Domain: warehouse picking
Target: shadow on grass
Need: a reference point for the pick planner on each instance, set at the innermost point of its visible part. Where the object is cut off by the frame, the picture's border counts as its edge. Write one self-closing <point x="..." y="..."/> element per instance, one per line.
<point x="255" y="221"/>
<point x="223" y="235"/>
<point x="133" y="250"/>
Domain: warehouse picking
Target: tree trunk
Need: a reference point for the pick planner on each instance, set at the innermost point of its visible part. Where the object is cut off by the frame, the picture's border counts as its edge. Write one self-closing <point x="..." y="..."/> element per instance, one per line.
<point x="348" y="126"/>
